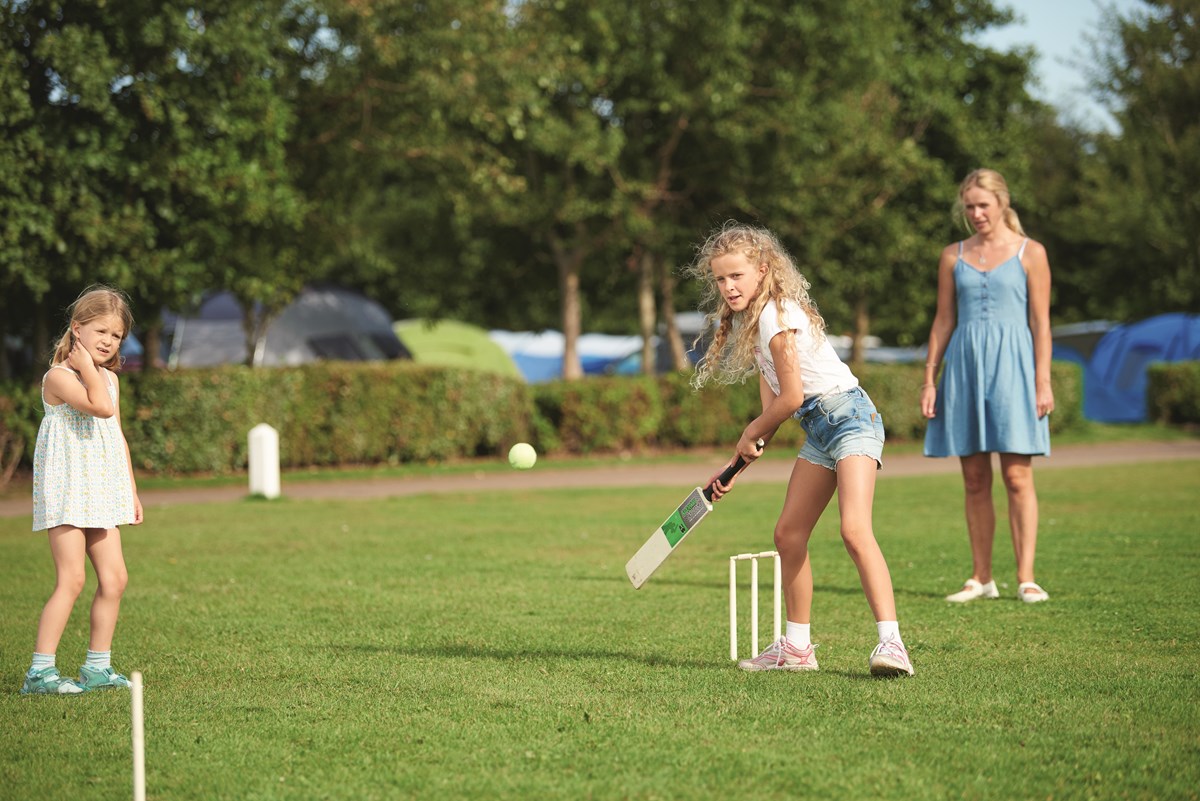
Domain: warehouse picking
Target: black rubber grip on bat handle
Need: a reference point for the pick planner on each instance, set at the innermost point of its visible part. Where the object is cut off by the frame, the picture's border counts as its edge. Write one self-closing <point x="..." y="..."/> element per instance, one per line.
<point x="729" y="472"/>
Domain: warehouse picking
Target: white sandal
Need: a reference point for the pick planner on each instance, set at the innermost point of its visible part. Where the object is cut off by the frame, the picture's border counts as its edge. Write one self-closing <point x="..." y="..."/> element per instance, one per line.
<point x="972" y="589"/>
<point x="1031" y="593"/>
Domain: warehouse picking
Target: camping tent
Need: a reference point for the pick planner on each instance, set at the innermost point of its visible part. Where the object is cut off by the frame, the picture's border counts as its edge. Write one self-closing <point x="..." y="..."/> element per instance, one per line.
<point x="454" y="344"/>
<point x="1075" y="342"/>
<point x="321" y="323"/>
<point x="539" y="355"/>
<point x="1114" y="378"/>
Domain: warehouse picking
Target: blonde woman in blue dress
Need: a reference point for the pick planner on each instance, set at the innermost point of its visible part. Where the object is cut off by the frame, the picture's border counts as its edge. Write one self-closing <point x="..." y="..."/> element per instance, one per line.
<point x="83" y="489"/>
<point x="991" y="338"/>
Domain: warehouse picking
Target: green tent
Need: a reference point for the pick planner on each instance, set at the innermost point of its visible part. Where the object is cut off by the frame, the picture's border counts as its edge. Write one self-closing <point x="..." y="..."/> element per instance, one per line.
<point x="451" y="343"/>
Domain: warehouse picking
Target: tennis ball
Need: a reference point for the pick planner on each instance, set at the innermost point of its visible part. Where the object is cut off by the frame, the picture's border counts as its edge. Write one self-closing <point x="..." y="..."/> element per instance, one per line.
<point x="522" y="456"/>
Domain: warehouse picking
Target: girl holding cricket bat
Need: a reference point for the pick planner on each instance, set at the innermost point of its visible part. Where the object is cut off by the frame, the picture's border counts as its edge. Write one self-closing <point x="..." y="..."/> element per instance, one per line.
<point x="765" y="322"/>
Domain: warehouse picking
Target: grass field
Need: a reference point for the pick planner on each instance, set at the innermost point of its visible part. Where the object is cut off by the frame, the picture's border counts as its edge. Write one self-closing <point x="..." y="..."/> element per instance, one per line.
<point x="490" y="645"/>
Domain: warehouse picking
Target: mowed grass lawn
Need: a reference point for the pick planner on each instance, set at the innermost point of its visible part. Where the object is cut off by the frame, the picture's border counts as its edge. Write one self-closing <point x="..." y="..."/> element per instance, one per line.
<point x="490" y="646"/>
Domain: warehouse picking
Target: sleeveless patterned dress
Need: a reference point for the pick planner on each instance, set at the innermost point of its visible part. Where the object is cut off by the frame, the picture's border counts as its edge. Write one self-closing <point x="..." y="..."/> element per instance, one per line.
<point x="987" y="394"/>
<point x="80" y="470"/>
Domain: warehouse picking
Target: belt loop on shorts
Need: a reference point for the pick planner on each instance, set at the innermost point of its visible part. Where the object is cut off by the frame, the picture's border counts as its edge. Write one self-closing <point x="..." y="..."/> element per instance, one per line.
<point x="807" y="407"/>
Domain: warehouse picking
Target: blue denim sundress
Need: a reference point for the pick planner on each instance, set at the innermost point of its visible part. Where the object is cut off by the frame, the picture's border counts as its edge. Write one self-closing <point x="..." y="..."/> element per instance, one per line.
<point x="987" y="395"/>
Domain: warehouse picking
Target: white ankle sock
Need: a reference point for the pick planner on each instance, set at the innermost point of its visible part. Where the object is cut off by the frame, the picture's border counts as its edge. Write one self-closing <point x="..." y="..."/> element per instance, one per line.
<point x="41" y="661"/>
<point x="99" y="659"/>
<point x="798" y="634"/>
<point x="888" y="630"/>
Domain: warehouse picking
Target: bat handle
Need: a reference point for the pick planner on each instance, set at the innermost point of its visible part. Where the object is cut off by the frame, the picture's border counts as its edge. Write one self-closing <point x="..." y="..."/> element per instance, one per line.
<point x="729" y="472"/>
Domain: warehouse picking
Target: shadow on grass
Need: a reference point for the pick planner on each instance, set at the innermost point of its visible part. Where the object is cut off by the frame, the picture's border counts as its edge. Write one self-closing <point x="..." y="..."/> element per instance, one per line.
<point x="764" y="584"/>
<point x="458" y="651"/>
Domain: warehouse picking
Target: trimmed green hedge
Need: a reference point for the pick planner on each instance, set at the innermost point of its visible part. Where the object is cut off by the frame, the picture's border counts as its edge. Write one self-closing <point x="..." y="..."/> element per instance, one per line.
<point x="632" y="413"/>
<point x="341" y="413"/>
<point x="1173" y="393"/>
<point x="332" y="413"/>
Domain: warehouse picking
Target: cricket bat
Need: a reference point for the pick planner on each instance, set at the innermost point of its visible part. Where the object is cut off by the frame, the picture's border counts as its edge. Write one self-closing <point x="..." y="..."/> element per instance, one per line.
<point x="687" y="516"/>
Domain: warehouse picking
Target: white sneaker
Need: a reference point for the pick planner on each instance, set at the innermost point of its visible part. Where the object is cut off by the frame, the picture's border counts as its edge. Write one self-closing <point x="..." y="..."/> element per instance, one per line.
<point x="972" y="589"/>
<point x="782" y="655"/>
<point x="890" y="659"/>
<point x="1031" y="593"/>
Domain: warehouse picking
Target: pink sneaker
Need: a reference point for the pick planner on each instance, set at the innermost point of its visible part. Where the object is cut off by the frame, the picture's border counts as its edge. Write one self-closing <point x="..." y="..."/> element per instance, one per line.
<point x="890" y="659"/>
<point x="782" y="655"/>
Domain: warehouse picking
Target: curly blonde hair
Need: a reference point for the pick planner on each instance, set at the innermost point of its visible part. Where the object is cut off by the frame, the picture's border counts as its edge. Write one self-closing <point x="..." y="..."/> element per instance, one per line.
<point x="730" y="356"/>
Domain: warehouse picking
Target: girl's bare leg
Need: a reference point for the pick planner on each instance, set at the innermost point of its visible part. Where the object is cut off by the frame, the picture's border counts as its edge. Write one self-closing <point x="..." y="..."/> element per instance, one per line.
<point x="856" y="496"/>
<point x="808" y="493"/>
<point x="67" y="549"/>
<point x="104" y="549"/>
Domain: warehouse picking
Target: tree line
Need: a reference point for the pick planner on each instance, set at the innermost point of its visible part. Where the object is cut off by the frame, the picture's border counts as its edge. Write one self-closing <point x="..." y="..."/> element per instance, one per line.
<point x="531" y="164"/>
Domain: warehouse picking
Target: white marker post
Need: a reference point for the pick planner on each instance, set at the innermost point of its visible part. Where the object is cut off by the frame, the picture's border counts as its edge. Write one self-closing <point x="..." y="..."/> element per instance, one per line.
<point x="264" y="461"/>
<point x="139" y="739"/>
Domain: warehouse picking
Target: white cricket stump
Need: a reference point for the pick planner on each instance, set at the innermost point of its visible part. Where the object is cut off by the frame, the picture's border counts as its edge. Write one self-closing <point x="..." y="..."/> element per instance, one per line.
<point x="139" y="739"/>
<point x="264" y="461"/>
<point x="777" y="593"/>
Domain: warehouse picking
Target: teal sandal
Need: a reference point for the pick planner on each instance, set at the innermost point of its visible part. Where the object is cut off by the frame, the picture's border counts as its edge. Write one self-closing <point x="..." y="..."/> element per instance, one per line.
<point x="47" y="681"/>
<point x="91" y="678"/>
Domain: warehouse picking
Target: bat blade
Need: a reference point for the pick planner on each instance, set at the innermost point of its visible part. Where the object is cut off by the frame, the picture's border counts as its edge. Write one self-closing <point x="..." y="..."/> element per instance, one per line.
<point x="666" y="539"/>
<point x="663" y="541"/>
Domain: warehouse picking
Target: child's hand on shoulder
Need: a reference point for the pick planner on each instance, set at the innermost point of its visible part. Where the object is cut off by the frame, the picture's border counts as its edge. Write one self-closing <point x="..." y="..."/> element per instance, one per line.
<point x="79" y="359"/>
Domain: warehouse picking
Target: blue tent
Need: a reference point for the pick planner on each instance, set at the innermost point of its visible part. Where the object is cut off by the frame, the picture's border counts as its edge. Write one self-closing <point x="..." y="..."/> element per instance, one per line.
<point x="1114" y="377"/>
<point x="539" y="355"/>
<point x="1075" y="342"/>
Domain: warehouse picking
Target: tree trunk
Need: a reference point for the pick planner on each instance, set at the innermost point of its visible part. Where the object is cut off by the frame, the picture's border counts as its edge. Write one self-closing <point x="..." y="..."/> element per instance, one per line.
<point x="862" y="327"/>
<point x="152" y="346"/>
<point x="568" y="261"/>
<point x="646" y="321"/>
<point x="679" y="360"/>
<point x="5" y="365"/>
<point x="41" y="336"/>
<point x="254" y="326"/>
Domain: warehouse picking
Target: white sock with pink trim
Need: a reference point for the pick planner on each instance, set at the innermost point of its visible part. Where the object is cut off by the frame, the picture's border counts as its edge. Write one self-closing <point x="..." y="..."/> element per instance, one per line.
<point x="888" y="630"/>
<point x="798" y="634"/>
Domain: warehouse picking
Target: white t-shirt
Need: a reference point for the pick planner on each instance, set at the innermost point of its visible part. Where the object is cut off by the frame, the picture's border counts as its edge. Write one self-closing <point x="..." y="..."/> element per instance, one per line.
<point x="820" y="368"/>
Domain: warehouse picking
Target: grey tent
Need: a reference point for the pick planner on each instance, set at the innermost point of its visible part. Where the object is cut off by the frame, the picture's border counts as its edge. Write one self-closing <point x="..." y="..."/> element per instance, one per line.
<point x="321" y="323"/>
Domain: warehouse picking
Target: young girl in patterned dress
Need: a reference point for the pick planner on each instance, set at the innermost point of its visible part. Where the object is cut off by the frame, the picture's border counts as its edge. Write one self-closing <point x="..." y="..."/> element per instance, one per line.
<point x="83" y="488"/>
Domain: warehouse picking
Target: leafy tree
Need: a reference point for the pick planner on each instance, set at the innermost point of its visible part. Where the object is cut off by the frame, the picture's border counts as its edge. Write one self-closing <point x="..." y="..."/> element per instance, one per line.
<point x="153" y="138"/>
<point x="1139" y="216"/>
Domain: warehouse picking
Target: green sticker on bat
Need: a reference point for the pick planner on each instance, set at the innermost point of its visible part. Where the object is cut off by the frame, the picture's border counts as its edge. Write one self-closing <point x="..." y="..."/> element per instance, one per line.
<point x="685" y="517"/>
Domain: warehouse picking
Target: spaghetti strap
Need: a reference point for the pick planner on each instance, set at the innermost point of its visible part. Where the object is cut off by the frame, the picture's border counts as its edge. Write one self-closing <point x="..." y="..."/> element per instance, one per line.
<point x="52" y="367"/>
<point x="1021" y="251"/>
<point x="960" y="244"/>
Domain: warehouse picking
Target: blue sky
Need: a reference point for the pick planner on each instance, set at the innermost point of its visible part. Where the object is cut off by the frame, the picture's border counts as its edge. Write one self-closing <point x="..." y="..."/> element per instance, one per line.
<point x="1058" y="30"/>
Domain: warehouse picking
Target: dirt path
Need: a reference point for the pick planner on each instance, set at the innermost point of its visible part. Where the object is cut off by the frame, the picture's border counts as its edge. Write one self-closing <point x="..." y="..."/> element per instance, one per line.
<point x="631" y="475"/>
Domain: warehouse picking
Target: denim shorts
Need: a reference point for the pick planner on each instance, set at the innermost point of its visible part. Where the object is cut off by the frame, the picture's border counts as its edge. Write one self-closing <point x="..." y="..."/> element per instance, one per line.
<point x="841" y="424"/>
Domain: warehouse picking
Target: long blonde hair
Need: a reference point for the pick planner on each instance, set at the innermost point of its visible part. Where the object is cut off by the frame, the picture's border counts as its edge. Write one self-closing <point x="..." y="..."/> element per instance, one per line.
<point x="94" y="302"/>
<point x="990" y="181"/>
<point x="730" y="357"/>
